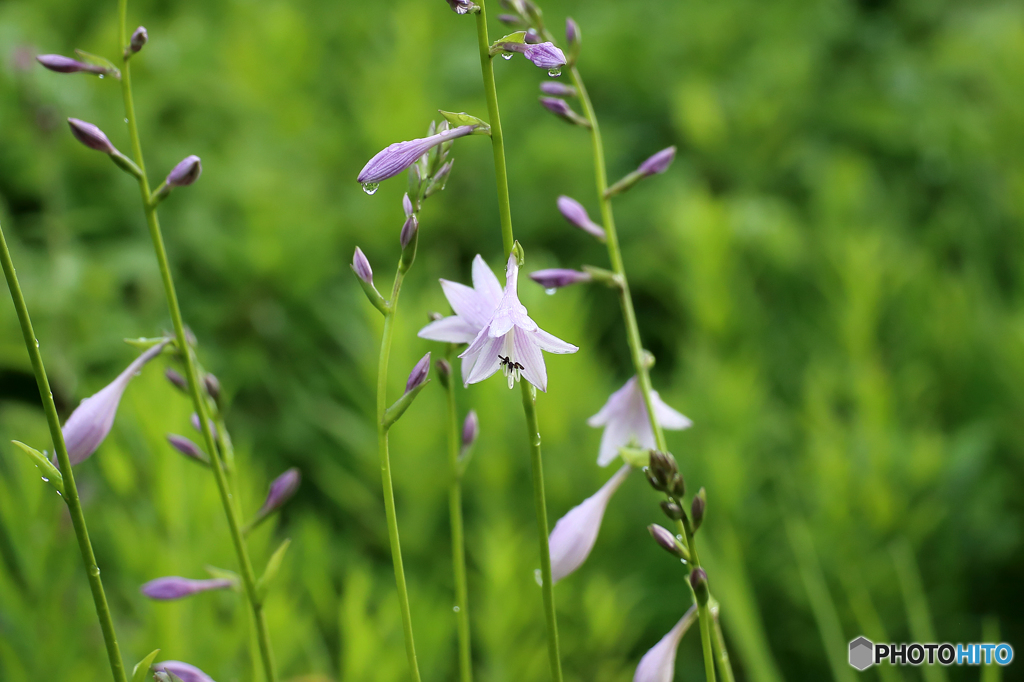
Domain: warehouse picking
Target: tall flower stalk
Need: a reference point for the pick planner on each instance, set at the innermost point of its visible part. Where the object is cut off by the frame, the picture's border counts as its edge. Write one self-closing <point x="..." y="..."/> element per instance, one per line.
<point x="150" y="200"/>
<point x="70" y="490"/>
<point x="528" y="395"/>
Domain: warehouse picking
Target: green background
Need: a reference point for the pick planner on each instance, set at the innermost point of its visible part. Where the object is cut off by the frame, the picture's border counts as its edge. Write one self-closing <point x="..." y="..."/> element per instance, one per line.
<point x="831" y="276"/>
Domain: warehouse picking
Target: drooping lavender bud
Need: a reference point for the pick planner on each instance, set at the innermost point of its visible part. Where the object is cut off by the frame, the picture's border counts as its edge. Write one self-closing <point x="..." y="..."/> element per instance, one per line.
<point x="361" y="266"/>
<point x="396" y="157"/>
<point x="183" y="671"/>
<point x="545" y="56"/>
<point x="557" y="89"/>
<point x="62" y="64"/>
<point x="510" y="20"/>
<point x="212" y="384"/>
<point x="418" y="374"/>
<point x="409" y="230"/>
<point x="532" y="37"/>
<point x="470" y="430"/>
<point x="666" y="540"/>
<point x="560" y="108"/>
<point x="407" y="205"/>
<point x="555" y="278"/>
<point x="176" y="379"/>
<point x="281" y="490"/>
<point x="443" y="368"/>
<point x="699" y="583"/>
<point x="139" y="38"/>
<point x="573" y="39"/>
<point x="186" y="172"/>
<point x="175" y="587"/>
<point x="91" y="136"/>
<point x="574" y="212"/>
<point x="658" y="163"/>
<point x="187" y="448"/>
<point x="462" y="6"/>
<point x="697" y="507"/>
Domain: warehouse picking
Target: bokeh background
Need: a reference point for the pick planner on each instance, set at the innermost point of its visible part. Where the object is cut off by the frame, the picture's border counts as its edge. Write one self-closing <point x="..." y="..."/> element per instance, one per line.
<point x="830" y="276"/>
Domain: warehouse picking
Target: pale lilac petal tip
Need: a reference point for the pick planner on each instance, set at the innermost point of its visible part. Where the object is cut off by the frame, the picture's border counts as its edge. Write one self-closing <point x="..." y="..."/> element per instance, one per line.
<point x="361" y="266"/>
<point x="184" y="671"/>
<point x="658" y="163"/>
<point x="574" y="212"/>
<point x="186" y="172"/>
<point x="418" y="374"/>
<point x="575" y="533"/>
<point x="659" y="664"/>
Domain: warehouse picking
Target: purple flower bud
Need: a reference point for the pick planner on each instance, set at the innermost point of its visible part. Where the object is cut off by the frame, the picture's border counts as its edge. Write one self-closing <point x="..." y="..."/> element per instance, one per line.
<point x="407" y="205"/>
<point x="665" y="539"/>
<point x="91" y="136"/>
<point x="470" y="429"/>
<point x="361" y="266"/>
<point x="532" y="37"/>
<point x="699" y="583"/>
<point x="174" y="587"/>
<point x="176" y="379"/>
<point x="461" y="6"/>
<point x="572" y="32"/>
<point x="658" y="163"/>
<point x="212" y="384"/>
<point x="62" y="64"/>
<point x="139" y="38"/>
<point x="557" y="89"/>
<point x="187" y="448"/>
<point x="574" y="212"/>
<point x="556" y="278"/>
<point x="186" y="172"/>
<point x="198" y="425"/>
<point x="92" y="420"/>
<point x="418" y="374"/>
<point x="545" y="56"/>
<point x="281" y="490"/>
<point x="183" y="671"/>
<point x="396" y="157"/>
<point x="561" y="108"/>
<point x="510" y="20"/>
<point x="409" y="230"/>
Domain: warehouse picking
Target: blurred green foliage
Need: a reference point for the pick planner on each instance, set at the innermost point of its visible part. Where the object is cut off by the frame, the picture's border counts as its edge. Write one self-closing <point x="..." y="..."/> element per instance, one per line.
<point x="830" y="277"/>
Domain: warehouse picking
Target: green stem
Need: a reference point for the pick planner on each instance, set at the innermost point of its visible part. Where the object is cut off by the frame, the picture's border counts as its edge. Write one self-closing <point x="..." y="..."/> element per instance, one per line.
<point x="497" y="142"/>
<point x="721" y="653"/>
<point x="191" y="373"/>
<point x="385" y="473"/>
<point x="458" y="541"/>
<point x="71" y="499"/>
<point x="703" y="612"/>
<point x="533" y="433"/>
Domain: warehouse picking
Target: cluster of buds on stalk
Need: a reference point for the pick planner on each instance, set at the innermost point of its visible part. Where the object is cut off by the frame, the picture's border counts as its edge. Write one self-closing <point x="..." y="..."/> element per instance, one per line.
<point x="663" y="475"/>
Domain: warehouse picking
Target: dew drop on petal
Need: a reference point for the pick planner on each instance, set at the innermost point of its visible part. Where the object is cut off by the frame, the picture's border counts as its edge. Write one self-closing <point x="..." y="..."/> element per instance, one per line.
<point x="554" y="73"/>
<point x="506" y="55"/>
<point x="370" y="187"/>
<point x="101" y="76"/>
<point x="538" y="577"/>
<point x="551" y="291"/>
<point x="679" y="537"/>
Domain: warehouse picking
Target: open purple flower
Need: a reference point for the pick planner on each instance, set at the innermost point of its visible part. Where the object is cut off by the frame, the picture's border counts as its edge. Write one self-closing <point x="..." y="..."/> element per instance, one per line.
<point x="624" y="418"/>
<point x="183" y="671"/>
<point x="511" y="341"/>
<point x="575" y="533"/>
<point x="175" y="587"/>
<point x="396" y="157"/>
<point x="92" y="420"/>
<point x="473" y="308"/>
<point x="659" y="664"/>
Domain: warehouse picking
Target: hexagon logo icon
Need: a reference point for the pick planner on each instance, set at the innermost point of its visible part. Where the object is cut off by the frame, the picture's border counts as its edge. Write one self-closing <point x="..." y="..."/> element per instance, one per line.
<point x="862" y="653"/>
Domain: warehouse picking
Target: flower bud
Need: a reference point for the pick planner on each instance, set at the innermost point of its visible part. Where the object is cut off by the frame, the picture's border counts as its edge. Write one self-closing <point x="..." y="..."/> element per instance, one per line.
<point x="175" y="378"/>
<point x="186" y="172"/>
<point x="175" y="587"/>
<point x="662" y="470"/>
<point x="677" y="488"/>
<point x="361" y="266"/>
<point x="139" y="38"/>
<point x="672" y="510"/>
<point x="545" y="56"/>
<point x="557" y="89"/>
<point x="555" y="278"/>
<point x="667" y="541"/>
<point x="532" y="37"/>
<point x="658" y="163"/>
<point x="470" y="430"/>
<point x="440" y="178"/>
<point x="281" y="490"/>
<point x="212" y="384"/>
<point x="396" y="157"/>
<point x="91" y="136"/>
<point x="183" y="671"/>
<point x="418" y="374"/>
<point x="510" y="20"/>
<point x="409" y="230"/>
<point x="187" y="448"/>
<point x="407" y="205"/>
<point x="444" y="371"/>
<point x="560" y="108"/>
<point x="697" y="507"/>
<point x="462" y="6"/>
<point x="574" y="212"/>
<point x="699" y="583"/>
<point x="198" y="425"/>
<point x="62" y="64"/>
<point x="572" y="34"/>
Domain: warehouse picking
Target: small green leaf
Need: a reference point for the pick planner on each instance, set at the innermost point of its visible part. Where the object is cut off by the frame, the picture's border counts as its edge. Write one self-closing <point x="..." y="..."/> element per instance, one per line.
<point x="144" y="343"/>
<point x="273" y="566"/>
<point x="50" y="473"/>
<point x="464" y="119"/>
<point x="101" y="62"/>
<point x="517" y="37"/>
<point x="635" y="457"/>
<point x="223" y="574"/>
<point x="142" y="667"/>
<point x="398" y="408"/>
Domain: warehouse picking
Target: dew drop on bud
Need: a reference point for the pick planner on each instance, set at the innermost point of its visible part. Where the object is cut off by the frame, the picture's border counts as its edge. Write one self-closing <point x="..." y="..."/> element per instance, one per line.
<point x="550" y="292"/>
<point x="554" y="73"/>
<point x="370" y="187"/>
<point x="506" y="55"/>
<point x="538" y="577"/>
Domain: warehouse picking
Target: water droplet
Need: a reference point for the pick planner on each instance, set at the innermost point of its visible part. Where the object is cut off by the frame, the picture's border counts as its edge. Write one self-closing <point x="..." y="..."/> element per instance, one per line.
<point x="45" y="479"/>
<point x="550" y="291"/>
<point x="455" y="609"/>
<point x="679" y="537"/>
<point x="554" y="73"/>
<point x="538" y="577"/>
<point x="370" y="187"/>
<point x="101" y="76"/>
<point x="126" y="120"/>
<point x="506" y="55"/>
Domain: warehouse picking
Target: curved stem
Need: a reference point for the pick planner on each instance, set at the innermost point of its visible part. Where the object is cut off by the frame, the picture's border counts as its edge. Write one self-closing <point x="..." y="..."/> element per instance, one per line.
<point x="703" y="612"/>
<point x="533" y="433"/>
<point x="191" y="373"/>
<point x="71" y="499"/>
<point x="721" y="653"/>
<point x="458" y="541"/>
<point x="385" y="473"/>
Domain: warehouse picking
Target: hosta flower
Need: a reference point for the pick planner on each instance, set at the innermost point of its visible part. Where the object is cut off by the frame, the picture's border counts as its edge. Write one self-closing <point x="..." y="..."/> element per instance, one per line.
<point x="174" y="587"/>
<point x="575" y="533"/>
<point x="543" y="55"/>
<point x="473" y="308"/>
<point x="659" y="664"/>
<point x="512" y="341"/>
<point x="396" y="157"/>
<point x="92" y="420"/>
<point x="139" y="38"/>
<point x="658" y="163"/>
<point x="91" y="136"/>
<point x="574" y="212"/>
<point x="281" y="490"/>
<point x="183" y="671"/>
<point x="186" y="172"/>
<point x="625" y="421"/>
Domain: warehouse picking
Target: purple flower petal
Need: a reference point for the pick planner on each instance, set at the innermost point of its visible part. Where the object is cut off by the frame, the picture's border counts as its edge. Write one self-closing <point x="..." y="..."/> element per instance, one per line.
<point x="658" y="163"/>
<point x="557" y="89"/>
<point x="452" y="329"/>
<point x="139" y="38"/>
<point x="281" y="490"/>
<point x="62" y="64"/>
<point x="470" y="429"/>
<point x="91" y="136"/>
<point x="184" y="671"/>
<point x="659" y="664"/>
<point x="574" y="212"/>
<point x="175" y="587"/>
<point x="556" y="278"/>
<point x="186" y="172"/>
<point x="418" y="374"/>
<point x="396" y="157"/>
<point x="361" y="266"/>
<point x="625" y="419"/>
<point x="545" y="55"/>
<point x="575" y="533"/>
